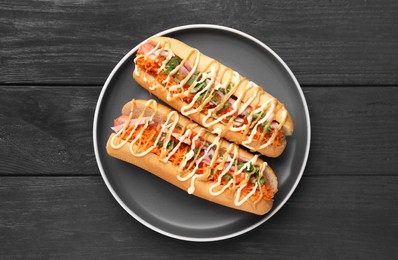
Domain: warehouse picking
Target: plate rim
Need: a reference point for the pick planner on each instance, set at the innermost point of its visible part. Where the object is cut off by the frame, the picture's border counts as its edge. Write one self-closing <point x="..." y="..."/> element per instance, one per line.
<point x="141" y="220"/>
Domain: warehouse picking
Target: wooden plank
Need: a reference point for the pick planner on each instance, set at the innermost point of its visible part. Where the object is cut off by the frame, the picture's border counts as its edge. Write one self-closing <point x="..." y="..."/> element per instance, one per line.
<point x="48" y="130"/>
<point x="76" y="217"/>
<point x="79" y="42"/>
<point x="353" y="130"/>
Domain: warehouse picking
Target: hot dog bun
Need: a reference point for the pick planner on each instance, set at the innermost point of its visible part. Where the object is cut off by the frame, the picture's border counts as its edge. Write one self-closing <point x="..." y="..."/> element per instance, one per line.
<point x="224" y="75"/>
<point x="167" y="171"/>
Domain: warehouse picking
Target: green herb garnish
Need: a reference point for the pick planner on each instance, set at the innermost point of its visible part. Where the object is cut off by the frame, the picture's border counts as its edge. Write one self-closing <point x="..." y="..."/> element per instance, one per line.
<point x="266" y="130"/>
<point x="257" y="168"/>
<point x="251" y="168"/>
<point x="190" y="81"/>
<point x="215" y="99"/>
<point x="241" y="165"/>
<point x="256" y="115"/>
<point x="227" y="177"/>
<point x="198" y="87"/>
<point x="227" y="105"/>
<point x="170" y="145"/>
<point x="199" y="99"/>
<point x="172" y="64"/>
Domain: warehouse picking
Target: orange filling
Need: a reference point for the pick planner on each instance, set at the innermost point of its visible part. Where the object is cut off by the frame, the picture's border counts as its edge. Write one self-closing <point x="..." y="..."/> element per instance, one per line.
<point x="152" y="66"/>
<point x="148" y="139"/>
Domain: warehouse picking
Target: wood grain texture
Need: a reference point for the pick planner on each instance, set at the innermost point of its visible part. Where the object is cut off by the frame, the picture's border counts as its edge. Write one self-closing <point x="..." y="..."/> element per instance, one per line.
<point x="48" y="130"/>
<point x="79" y="42"/>
<point x="353" y="130"/>
<point x="55" y="56"/>
<point x="76" y="217"/>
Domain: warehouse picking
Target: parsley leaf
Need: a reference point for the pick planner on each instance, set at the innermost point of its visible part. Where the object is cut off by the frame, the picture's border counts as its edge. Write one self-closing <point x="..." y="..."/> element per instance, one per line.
<point x="172" y="64"/>
<point x="227" y="177"/>
<point x="170" y="145"/>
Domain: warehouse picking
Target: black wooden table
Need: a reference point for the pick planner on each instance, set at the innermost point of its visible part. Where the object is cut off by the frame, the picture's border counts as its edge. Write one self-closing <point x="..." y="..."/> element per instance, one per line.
<point x="55" y="57"/>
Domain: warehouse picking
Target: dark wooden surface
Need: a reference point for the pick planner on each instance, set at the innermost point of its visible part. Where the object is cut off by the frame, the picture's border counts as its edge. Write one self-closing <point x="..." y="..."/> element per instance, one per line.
<point x="55" y="57"/>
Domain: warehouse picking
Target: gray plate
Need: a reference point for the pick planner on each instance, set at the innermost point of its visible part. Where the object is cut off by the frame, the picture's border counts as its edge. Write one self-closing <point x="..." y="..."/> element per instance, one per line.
<point x="167" y="209"/>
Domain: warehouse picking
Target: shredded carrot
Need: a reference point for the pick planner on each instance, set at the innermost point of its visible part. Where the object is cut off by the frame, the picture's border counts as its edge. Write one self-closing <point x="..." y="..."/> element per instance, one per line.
<point x="277" y="141"/>
<point x="177" y="157"/>
<point x="149" y="65"/>
<point x="152" y="66"/>
<point x="267" y="192"/>
<point x="239" y="178"/>
<point x="148" y="139"/>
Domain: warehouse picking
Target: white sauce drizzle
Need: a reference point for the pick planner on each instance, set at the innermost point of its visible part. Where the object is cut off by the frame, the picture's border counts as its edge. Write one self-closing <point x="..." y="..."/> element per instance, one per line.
<point x="180" y="85"/>
<point x="239" y="106"/>
<point x="267" y="111"/>
<point x="267" y="117"/>
<point x="193" y="172"/>
<point x="224" y="172"/>
<point x="219" y="119"/>
<point x="210" y="79"/>
<point x="181" y="140"/>
<point x="226" y="160"/>
<point x="240" y="202"/>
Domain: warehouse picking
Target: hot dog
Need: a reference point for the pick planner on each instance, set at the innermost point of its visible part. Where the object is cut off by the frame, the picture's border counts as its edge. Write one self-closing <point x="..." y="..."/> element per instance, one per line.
<point x="213" y="95"/>
<point x="159" y="140"/>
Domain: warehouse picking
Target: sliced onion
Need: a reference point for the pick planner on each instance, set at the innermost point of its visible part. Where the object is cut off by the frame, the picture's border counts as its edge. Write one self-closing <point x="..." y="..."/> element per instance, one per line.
<point x="174" y="87"/>
<point x="186" y="140"/>
<point x="146" y="47"/>
<point x="274" y="124"/>
<point x="184" y="70"/>
<point x="189" y="155"/>
<point x="247" y="110"/>
<point x="117" y="128"/>
<point x="164" y="53"/>
<point x="239" y="120"/>
<point x="243" y="159"/>
<point x="143" y="121"/>
<point x="177" y="136"/>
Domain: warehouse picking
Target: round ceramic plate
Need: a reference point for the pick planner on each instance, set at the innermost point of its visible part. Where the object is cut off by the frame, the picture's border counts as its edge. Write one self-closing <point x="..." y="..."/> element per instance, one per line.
<point x="166" y="208"/>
